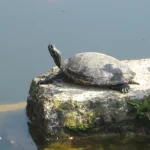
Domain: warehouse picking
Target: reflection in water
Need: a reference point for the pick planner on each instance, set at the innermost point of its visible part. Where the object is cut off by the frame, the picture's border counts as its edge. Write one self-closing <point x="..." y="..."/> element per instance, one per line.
<point x="12" y="107"/>
<point x="16" y="135"/>
<point x="14" y="131"/>
<point x="92" y="143"/>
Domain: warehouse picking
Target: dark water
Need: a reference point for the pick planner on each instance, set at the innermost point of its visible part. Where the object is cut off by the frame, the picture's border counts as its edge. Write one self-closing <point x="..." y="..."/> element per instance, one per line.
<point x="15" y="134"/>
<point x="118" y="28"/>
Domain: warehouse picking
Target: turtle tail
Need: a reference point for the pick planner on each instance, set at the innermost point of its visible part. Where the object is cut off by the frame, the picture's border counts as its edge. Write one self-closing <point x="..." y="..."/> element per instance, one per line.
<point x="133" y="82"/>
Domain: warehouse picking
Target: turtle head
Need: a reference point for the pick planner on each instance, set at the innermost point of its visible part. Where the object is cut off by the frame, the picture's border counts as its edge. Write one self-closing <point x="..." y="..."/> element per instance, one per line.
<point x="56" y="54"/>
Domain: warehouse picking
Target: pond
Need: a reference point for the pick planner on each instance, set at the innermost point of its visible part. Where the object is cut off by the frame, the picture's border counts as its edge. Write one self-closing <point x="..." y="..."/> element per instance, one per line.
<point x="118" y="28"/>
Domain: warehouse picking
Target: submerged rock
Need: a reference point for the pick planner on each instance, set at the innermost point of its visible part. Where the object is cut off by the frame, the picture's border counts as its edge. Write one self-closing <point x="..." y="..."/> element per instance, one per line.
<point x="55" y="101"/>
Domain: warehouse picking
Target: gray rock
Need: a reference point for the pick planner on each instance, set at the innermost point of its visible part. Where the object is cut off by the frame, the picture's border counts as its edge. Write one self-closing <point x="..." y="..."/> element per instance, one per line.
<point x="55" y="101"/>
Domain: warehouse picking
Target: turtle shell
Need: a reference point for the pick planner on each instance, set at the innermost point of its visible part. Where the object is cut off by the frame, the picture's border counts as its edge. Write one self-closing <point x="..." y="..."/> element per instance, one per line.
<point x="97" y="69"/>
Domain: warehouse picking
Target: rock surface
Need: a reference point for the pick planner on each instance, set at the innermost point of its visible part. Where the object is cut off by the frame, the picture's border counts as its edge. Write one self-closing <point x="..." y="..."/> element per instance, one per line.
<point x="54" y="102"/>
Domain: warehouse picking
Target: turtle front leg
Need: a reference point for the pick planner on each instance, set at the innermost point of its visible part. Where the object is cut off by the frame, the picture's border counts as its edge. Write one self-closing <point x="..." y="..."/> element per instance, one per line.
<point x="123" y="88"/>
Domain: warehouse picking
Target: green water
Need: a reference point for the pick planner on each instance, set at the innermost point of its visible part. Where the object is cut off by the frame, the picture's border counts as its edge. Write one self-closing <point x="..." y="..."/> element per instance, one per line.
<point x="118" y="28"/>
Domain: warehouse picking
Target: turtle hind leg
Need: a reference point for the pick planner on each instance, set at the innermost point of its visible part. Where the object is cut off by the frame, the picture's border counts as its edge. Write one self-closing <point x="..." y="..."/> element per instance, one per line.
<point x="123" y="88"/>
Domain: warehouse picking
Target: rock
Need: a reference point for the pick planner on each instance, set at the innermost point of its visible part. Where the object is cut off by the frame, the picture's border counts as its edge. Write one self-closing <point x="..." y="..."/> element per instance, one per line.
<point x="55" y="101"/>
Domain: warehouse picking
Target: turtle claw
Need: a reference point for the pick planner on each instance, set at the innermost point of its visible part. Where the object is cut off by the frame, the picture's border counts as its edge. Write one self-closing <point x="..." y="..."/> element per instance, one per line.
<point x="125" y="88"/>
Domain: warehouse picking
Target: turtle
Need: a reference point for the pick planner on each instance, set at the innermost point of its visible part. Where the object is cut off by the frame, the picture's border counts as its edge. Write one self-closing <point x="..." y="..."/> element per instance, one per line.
<point x="93" y="68"/>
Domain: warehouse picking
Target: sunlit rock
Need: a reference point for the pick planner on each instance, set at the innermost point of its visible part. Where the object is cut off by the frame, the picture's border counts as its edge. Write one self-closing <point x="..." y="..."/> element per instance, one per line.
<point x="55" y="101"/>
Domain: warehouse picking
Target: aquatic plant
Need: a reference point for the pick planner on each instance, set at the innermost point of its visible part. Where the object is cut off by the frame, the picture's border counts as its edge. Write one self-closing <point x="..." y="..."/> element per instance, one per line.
<point x="142" y="107"/>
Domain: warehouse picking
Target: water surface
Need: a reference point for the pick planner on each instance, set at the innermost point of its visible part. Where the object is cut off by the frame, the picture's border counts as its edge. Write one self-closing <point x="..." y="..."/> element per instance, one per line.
<point x="118" y="28"/>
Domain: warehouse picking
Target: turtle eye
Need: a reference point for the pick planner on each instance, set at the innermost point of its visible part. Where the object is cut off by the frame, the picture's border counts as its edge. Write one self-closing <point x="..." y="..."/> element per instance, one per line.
<point x="51" y="46"/>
